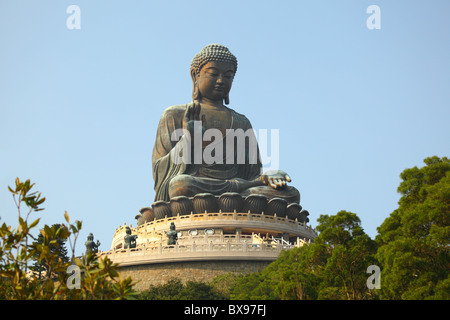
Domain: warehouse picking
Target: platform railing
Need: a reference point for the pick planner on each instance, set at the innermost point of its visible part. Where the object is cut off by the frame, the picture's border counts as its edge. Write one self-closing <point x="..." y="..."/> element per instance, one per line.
<point x="217" y="247"/>
<point x="155" y="229"/>
<point x="229" y="244"/>
<point x="239" y="216"/>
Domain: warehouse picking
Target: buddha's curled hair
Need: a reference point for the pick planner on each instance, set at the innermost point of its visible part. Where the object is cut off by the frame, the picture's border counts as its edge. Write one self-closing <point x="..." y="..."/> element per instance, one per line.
<point x="213" y="52"/>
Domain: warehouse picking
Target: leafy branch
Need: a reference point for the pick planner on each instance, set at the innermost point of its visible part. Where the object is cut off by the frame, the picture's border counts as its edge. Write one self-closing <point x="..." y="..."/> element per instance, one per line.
<point x="100" y="280"/>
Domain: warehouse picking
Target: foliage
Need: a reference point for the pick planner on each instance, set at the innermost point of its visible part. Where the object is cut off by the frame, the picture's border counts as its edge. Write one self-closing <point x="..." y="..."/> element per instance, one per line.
<point x="99" y="278"/>
<point x="101" y="281"/>
<point x="411" y="248"/>
<point x="333" y="267"/>
<point x="224" y="283"/>
<point x="174" y="289"/>
<point x="414" y="239"/>
<point x="348" y="252"/>
<point x="59" y="248"/>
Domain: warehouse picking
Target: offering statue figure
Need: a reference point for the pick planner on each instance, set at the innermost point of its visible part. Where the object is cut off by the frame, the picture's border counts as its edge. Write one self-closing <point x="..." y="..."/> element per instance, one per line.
<point x="91" y="246"/>
<point x="129" y="239"/>
<point x="172" y="235"/>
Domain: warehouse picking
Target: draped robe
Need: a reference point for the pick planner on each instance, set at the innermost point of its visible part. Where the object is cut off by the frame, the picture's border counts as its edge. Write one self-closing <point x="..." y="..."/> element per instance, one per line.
<point x="189" y="178"/>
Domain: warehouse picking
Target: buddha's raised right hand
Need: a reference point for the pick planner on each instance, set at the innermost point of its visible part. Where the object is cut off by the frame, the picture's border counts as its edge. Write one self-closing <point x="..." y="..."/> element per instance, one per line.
<point x="191" y="115"/>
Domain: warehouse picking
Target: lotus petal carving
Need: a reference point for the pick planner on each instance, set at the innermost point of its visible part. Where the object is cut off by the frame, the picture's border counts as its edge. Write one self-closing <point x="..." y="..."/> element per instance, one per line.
<point x="161" y="209"/>
<point x="181" y="205"/>
<point x="230" y="201"/>
<point x="255" y="203"/>
<point x="205" y="202"/>
<point x="276" y="205"/>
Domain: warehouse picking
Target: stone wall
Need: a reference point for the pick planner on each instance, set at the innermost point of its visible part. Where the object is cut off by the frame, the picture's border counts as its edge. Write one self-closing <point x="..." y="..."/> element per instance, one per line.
<point x="157" y="274"/>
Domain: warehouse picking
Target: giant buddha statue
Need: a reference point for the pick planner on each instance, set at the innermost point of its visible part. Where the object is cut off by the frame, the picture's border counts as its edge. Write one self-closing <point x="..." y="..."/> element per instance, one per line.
<point x="237" y="170"/>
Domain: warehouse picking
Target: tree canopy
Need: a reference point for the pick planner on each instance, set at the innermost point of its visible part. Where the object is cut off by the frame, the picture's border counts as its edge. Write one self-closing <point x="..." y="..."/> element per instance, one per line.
<point x="333" y="267"/>
<point x="411" y="249"/>
<point x="414" y="240"/>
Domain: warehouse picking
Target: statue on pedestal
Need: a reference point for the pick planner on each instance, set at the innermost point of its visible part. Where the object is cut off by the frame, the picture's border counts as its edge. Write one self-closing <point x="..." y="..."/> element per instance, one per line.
<point x="91" y="246"/>
<point x="172" y="235"/>
<point x="195" y="150"/>
<point x="129" y="239"/>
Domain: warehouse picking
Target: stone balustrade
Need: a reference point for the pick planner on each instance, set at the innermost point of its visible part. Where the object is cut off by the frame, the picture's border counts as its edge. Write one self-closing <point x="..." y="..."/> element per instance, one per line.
<point x="198" y="248"/>
<point x="245" y="245"/>
<point x="260" y="222"/>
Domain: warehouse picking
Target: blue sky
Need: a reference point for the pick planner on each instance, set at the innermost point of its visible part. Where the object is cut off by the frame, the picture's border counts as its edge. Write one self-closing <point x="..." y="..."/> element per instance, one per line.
<point x="354" y="107"/>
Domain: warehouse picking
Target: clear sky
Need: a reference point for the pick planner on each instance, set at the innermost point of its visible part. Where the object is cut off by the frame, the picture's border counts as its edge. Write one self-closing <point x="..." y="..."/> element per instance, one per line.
<point x="354" y="107"/>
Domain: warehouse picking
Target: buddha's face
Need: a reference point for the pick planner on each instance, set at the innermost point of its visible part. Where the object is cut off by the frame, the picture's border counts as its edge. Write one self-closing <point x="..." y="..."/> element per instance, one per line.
<point x="215" y="79"/>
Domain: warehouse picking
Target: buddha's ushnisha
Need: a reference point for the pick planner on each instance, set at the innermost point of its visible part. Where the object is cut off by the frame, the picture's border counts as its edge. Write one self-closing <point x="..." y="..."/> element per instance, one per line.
<point x="212" y="72"/>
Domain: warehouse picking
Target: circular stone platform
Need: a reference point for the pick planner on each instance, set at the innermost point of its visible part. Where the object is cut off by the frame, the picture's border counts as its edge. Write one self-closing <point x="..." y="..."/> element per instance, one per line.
<point x="208" y="244"/>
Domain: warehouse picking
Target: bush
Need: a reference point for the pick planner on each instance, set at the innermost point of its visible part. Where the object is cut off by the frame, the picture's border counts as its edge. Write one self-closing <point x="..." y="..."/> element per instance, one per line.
<point x="174" y="289"/>
<point x="98" y="278"/>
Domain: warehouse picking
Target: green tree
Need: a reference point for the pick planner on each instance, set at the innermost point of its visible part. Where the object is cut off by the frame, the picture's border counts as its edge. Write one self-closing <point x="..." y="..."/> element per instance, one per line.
<point x="174" y="289"/>
<point x="224" y="283"/>
<point x="59" y="248"/>
<point x="197" y="290"/>
<point x="414" y="240"/>
<point x="293" y="276"/>
<point x="255" y="286"/>
<point x="99" y="278"/>
<point x="348" y="251"/>
<point x="333" y="267"/>
<point x="167" y="291"/>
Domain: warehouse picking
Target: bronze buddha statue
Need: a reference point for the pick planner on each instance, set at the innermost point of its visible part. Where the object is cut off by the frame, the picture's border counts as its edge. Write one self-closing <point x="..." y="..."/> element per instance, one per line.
<point x="234" y="170"/>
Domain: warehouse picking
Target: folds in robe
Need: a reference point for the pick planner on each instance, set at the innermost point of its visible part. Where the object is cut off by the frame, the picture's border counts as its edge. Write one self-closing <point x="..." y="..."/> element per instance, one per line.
<point x="217" y="177"/>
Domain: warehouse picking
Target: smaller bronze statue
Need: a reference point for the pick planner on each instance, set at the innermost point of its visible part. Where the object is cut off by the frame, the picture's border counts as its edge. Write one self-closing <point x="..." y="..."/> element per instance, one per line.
<point x="91" y="246"/>
<point x="172" y="235"/>
<point x="129" y="239"/>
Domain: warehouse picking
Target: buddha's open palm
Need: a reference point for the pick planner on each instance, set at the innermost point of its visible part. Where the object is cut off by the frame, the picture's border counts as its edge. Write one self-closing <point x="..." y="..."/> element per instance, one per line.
<point x="192" y="114"/>
<point x="276" y="179"/>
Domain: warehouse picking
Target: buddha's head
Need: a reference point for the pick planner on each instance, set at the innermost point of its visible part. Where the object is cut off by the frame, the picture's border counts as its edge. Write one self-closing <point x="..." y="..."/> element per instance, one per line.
<point x="212" y="73"/>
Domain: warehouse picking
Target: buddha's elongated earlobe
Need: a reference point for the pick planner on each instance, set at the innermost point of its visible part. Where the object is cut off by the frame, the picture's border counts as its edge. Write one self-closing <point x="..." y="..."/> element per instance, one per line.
<point x="227" y="100"/>
<point x="195" y="91"/>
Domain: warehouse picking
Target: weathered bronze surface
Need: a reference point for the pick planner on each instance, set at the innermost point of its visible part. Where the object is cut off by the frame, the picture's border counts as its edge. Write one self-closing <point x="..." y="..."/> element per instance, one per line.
<point x="129" y="239"/>
<point x="212" y="72"/>
<point x="172" y="235"/>
<point x="91" y="246"/>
